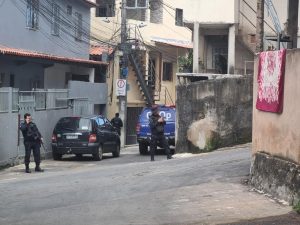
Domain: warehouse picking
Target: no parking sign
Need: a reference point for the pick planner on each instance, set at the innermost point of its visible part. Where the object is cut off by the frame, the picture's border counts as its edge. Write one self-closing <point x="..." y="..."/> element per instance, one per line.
<point x="121" y="87"/>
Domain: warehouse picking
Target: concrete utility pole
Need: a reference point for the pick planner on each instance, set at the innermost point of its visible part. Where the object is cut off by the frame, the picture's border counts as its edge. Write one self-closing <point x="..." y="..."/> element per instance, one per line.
<point x="260" y="25"/>
<point x="292" y="25"/>
<point x="124" y="71"/>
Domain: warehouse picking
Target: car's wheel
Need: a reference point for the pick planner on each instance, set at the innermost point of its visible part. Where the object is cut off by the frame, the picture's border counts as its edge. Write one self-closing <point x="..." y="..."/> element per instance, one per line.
<point x="99" y="154"/>
<point x="116" y="152"/>
<point x="56" y="156"/>
<point x="143" y="148"/>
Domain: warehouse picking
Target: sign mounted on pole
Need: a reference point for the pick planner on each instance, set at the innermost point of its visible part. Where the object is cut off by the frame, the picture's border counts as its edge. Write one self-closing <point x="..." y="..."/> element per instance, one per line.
<point x="137" y="4"/>
<point x="121" y="87"/>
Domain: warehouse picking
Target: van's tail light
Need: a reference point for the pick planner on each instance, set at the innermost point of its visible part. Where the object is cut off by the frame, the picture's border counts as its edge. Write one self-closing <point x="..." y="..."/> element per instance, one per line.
<point x="138" y="127"/>
<point x="54" y="138"/>
<point x="92" y="138"/>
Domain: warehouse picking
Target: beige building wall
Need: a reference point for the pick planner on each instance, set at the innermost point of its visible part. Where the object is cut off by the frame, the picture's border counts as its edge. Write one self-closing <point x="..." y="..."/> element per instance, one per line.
<point x="108" y="30"/>
<point x="212" y="11"/>
<point x="279" y="134"/>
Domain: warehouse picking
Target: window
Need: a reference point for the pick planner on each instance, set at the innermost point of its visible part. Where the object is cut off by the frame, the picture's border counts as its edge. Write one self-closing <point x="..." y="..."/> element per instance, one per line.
<point x="69" y="9"/>
<point x="167" y="71"/>
<point x="136" y="14"/>
<point x="78" y="27"/>
<point x="32" y="12"/>
<point x="55" y="19"/>
<point x="179" y="17"/>
<point x="156" y="11"/>
<point x="106" y="9"/>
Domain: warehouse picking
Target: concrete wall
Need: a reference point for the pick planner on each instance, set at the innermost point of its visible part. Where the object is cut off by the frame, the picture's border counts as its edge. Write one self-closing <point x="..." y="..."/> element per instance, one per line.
<point x="166" y="29"/>
<point x="41" y="40"/>
<point x="10" y="152"/>
<point x="214" y="113"/>
<point x="213" y="11"/>
<point x="95" y="92"/>
<point x="279" y="134"/>
<point x="276" y="139"/>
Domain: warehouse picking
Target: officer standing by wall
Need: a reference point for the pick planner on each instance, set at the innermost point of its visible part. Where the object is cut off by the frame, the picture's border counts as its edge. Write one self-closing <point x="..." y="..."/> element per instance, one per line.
<point x="32" y="141"/>
<point x="157" y="124"/>
<point x="117" y="123"/>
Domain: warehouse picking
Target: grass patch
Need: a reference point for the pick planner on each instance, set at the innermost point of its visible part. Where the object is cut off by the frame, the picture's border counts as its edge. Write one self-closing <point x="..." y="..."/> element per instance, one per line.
<point x="296" y="207"/>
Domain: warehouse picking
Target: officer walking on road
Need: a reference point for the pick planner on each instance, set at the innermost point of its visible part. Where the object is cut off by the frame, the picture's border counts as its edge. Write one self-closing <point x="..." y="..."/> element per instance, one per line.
<point x="32" y="141"/>
<point x="117" y="123"/>
<point x="157" y="124"/>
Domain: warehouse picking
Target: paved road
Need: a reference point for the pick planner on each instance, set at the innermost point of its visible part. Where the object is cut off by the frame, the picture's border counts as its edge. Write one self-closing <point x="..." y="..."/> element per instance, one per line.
<point x="190" y="189"/>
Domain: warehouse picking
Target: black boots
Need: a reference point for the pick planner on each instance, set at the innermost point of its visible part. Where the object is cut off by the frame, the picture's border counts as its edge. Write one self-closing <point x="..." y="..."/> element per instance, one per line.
<point x="27" y="170"/>
<point x="38" y="169"/>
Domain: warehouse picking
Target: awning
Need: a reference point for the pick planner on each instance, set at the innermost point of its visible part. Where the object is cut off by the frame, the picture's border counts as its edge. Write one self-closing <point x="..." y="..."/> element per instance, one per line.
<point x="36" y="55"/>
<point x="173" y="42"/>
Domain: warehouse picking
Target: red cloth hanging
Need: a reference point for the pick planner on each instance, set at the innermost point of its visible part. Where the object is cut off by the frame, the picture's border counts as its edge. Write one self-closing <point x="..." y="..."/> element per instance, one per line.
<point x="271" y="81"/>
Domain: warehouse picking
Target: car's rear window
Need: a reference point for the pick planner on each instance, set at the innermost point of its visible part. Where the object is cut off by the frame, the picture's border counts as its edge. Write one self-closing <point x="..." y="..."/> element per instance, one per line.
<point x="73" y="124"/>
<point x="168" y="113"/>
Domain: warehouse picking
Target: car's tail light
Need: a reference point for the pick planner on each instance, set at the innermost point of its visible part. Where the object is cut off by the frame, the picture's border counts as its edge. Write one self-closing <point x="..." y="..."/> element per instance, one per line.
<point x="138" y="128"/>
<point x="92" y="138"/>
<point x="54" y="138"/>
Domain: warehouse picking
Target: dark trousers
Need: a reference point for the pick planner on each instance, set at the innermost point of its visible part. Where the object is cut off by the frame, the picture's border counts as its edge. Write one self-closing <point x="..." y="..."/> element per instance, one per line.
<point x="35" y="147"/>
<point x="159" y="139"/>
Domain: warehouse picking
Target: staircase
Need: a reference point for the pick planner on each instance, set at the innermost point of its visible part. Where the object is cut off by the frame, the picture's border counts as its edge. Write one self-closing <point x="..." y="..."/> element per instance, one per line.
<point x="142" y="79"/>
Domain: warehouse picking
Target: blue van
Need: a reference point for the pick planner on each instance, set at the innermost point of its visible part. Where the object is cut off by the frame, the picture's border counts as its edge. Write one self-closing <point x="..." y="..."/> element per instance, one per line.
<point x="143" y="129"/>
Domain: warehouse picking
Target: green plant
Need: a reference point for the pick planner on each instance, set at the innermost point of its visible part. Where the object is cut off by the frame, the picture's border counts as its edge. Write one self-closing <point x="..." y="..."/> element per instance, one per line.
<point x="297" y="207"/>
<point x="185" y="63"/>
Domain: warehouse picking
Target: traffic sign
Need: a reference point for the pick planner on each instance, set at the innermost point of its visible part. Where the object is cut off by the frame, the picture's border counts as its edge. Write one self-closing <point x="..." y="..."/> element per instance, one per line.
<point x="121" y="87"/>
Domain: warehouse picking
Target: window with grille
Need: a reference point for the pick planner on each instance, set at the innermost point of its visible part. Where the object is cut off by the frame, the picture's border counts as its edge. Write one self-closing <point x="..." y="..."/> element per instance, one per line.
<point x="106" y="9"/>
<point x="32" y="12"/>
<point x="78" y="27"/>
<point x="167" y="71"/>
<point x="179" y="17"/>
<point x="55" y="26"/>
<point x="69" y="10"/>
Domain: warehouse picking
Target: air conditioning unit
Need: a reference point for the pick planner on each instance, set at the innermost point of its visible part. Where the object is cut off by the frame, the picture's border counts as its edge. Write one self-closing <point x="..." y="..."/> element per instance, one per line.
<point x="137" y="4"/>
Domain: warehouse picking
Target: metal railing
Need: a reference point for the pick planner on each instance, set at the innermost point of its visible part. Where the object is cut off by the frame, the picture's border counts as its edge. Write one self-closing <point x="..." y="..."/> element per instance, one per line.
<point x="13" y="99"/>
<point x="4" y="101"/>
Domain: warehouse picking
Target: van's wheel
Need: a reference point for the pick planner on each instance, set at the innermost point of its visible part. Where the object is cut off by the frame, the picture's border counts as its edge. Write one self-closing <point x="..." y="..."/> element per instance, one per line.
<point x="143" y="148"/>
<point x="56" y="156"/>
<point x="116" y="152"/>
<point x="99" y="154"/>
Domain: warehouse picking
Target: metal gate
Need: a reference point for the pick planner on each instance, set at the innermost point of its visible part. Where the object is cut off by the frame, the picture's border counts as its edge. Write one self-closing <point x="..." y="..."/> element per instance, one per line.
<point x="132" y="119"/>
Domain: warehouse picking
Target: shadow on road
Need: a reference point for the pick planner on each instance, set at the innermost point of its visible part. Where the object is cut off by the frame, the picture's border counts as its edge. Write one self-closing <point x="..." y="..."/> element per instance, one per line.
<point x="291" y="218"/>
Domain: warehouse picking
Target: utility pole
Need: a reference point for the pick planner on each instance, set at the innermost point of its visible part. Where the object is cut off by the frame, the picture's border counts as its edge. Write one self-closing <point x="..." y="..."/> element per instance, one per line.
<point x="124" y="70"/>
<point x="260" y="25"/>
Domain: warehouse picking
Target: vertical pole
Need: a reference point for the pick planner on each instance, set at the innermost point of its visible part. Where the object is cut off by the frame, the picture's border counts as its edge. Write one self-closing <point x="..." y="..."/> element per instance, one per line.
<point x="123" y="99"/>
<point x="231" y="50"/>
<point x="292" y="26"/>
<point x="196" y="48"/>
<point x="260" y="25"/>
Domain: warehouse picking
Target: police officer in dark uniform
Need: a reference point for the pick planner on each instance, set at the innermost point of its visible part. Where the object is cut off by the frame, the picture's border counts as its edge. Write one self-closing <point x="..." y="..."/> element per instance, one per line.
<point x="117" y="123"/>
<point x="157" y="124"/>
<point x="32" y="141"/>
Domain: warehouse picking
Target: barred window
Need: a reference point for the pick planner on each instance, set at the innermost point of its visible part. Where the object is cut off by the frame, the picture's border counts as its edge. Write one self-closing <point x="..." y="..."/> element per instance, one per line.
<point x="78" y="27"/>
<point x="55" y="27"/>
<point x="32" y="13"/>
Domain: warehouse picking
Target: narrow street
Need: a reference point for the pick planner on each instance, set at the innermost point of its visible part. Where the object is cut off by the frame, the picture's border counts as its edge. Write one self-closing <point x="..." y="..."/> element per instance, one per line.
<point x="189" y="189"/>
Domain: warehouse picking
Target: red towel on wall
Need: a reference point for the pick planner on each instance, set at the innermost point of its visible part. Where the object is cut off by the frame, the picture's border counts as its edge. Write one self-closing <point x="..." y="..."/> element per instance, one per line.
<point x="270" y="81"/>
